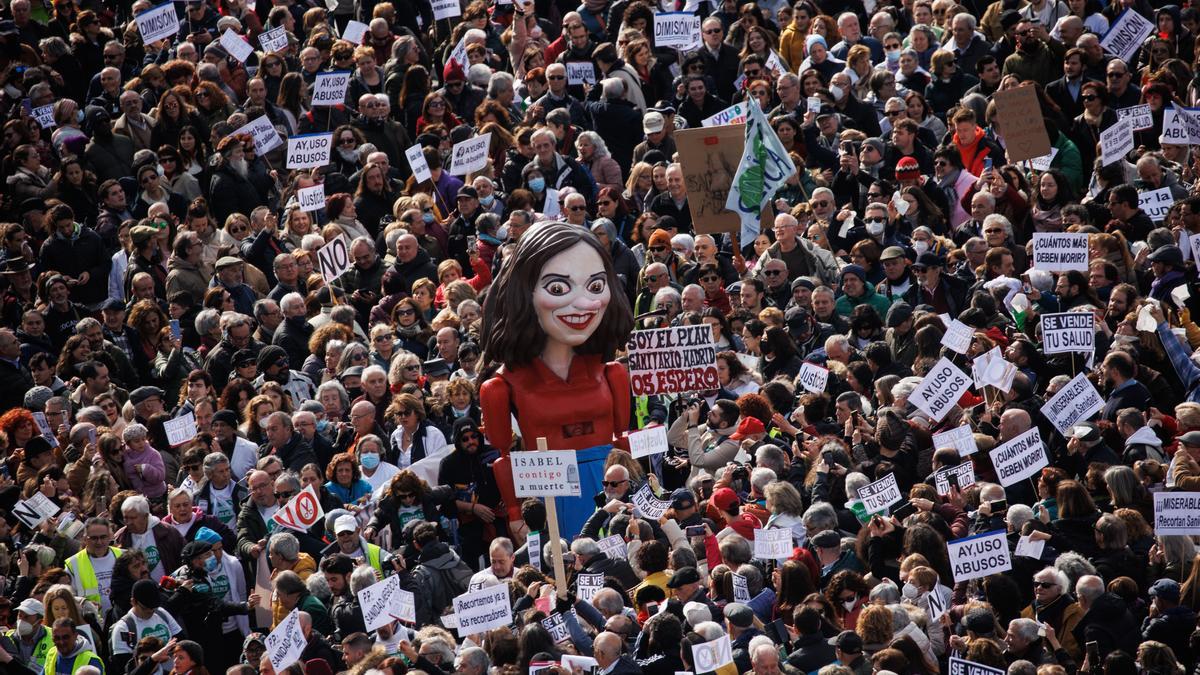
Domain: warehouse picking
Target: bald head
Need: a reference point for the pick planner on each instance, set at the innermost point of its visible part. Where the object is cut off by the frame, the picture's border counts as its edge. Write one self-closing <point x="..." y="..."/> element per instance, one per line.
<point x="607" y="649"/>
<point x="1013" y="423"/>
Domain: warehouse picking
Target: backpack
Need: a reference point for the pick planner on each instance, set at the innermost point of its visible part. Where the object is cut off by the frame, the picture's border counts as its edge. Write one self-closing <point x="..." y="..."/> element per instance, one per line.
<point x="442" y="585"/>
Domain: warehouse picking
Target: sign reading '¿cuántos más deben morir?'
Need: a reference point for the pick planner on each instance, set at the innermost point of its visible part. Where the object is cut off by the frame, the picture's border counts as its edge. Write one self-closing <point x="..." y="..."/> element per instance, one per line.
<point x="673" y="360"/>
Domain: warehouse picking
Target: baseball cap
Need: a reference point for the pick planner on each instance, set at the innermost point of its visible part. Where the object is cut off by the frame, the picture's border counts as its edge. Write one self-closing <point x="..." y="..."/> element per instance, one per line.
<point x="653" y="122"/>
<point x="345" y="523"/>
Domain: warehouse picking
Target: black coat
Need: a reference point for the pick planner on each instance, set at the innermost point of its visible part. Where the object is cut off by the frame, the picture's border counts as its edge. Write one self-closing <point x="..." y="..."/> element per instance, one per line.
<point x="292" y="335"/>
<point x="613" y="120"/>
<point x="237" y="195"/>
<point x="73" y="257"/>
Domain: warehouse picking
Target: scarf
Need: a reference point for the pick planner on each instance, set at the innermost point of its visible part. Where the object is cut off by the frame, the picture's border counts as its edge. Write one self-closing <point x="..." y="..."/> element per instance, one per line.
<point x="410" y="333"/>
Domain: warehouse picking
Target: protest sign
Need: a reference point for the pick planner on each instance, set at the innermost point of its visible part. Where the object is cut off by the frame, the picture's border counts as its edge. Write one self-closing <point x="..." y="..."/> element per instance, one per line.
<point x="672" y="360"/>
<point x="1194" y="246"/>
<point x="772" y="544"/>
<point x="1060" y="251"/>
<point x="1028" y="547"/>
<point x="1042" y="164"/>
<point x="586" y="585"/>
<point x="385" y="602"/>
<point x="334" y="258"/>
<point x="734" y="114"/>
<point x="709" y="157"/>
<point x="964" y="667"/>
<point x="648" y="505"/>
<point x="979" y="555"/>
<point x="1177" y="513"/>
<point x="741" y="588"/>
<point x="813" y="377"/>
<point x="990" y="369"/>
<point x="286" y="643"/>
<point x="1116" y="141"/>
<point x="556" y="625"/>
<point x="416" y="162"/>
<point x="1019" y="458"/>
<point x="266" y="138"/>
<point x="236" y="45"/>
<point x="961" y="439"/>
<point x="355" y="32"/>
<point x="1180" y="294"/>
<point x="274" y="40"/>
<point x="711" y="656"/>
<point x="940" y="390"/>
<point x="181" y="429"/>
<point x="676" y="29"/>
<point x="1075" y="402"/>
<point x="533" y="545"/>
<point x="958" y="337"/>
<point x="308" y="151"/>
<point x="301" y="511"/>
<point x="1024" y="134"/>
<point x="330" y="88"/>
<point x="545" y="473"/>
<point x="1139" y="115"/>
<point x="470" y="155"/>
<point x="580" y="72"/>
<point x="878" y="496"/>
<point x="44" y="116"/>
<point x="311" y="198"/>
<point x="614" y="547"/>
<point x="1125" y="35"/>
<point x="1181" y="126"/>
<point x="1156" y="203"/>
<point x="1068" y="332"/>
<point x="964" y="477"/>
<point x="649" y="441"/>
<point x="483" y="610"/>
<point x="34" y="510"/>
<point x="44" y="428"/>
<point x="585" y="665"/>
<point x="446" y="9"/>
<point x="157" y="23"/>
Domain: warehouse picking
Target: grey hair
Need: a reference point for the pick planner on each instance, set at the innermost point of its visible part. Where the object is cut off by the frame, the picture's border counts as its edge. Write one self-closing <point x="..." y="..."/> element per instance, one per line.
<point x="282" y="417"/>
<point x="888" y="593"/>
<point x="1075" y="566"/>
<point x="585" y="546"/>
<point x="136" y="504"/>
<point x="666" y="293"/>
<point x="1018" y="515"/>
<point x="771" y="457"/>
<point x="760" y="478"/>
<point x="212" y="460"/>
<point x="854" y="481"/>
<point x="711" y="630"/>
<point x="997" y="219"/>
<point x="499" y="79"/>
<point x="362" y="577"/>
<point x="54" y="46"/>
<point x="905" y="387"/>
<point x="440" y="645"/>
<point x="596" y="140"/>
<point x="754" y="578"/>
<point x="179" y="492"/>
<point x="289" y="479"/>
<point x="319" y="588"/>
<point x="839" y="341"/>
<point x="1026" y="629"/>
<point x="612" y="87"/>
<point x="965" y="16"/>
<point x="207" y="320"/>
<point x="608" y="601"/>
<point x="231" y="320"/>
<point x="366" y="241"/>
<point x="134" y="432"/>
<point x="291" y="301"/>
<point x="474" y="657"/>
<point x="285" y="545"/>
<point x="1090" y="587"/>
<point x="93" y="414"/>
<point x="262" y="306"/>
<point x="1122" y="483"/>
<point x="337" y="387"/>
<point x="821" y="516"/>
<point x="86" y="323"/>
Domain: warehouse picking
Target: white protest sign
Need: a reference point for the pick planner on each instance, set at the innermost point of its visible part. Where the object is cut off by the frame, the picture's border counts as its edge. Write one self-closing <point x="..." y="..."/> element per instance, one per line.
<point x="274" y="40"/>
<point x="44" y="116"/>
<point x="1177" y="513"/>
<point x="1068" y="332"/>
<point x="964" y="477"/>
<point x="181" y="429"/>
<point x="34" y="510"/>
<point x="1029" y="548"/>
<point x="1140" y="115"/>
<point x="960" y="438"/>
<point x="958" y="337"/>
<point x="1126" y="34"/>
<point x="266" y="138"/>
<point x="550" y="203"/>
<point x="330" y="88"/>
<point x="470" y="155"/>
<point x="308" y="151"/>
<point x="580" y="72"/>
<point x="878" y="496"/>
<point x="459" y="53"/>
<point x="301" y="511"/>
<point x="533" y="548"/>
<point x="1043" y="163"/>
<point x="586" y="664"/>
<point x="1019" y="458"/>
<point x="614" y="547"/>
<point x="734" y="114"/>
<point x="813" y="377"/>
<point x="772" y="544"/>
<point x="1180" y="294"/>
<point x="556" y="625"/>
<point x="1075" y="402"/>
<point x="237" y="47"/>
<point x="672" y="360"/>
<point x="649" y="441"/>
<point x="483" y="610"/>
<point x="940" y="390"/>
<point x="648" y="505"/>
<point x="416" y="161"/>
<point x="355" y="31"/>
<point x="964" y="667"/>
<point x="311" y="198"/>
<point x="446" y="9"/>
<point x="44" y="428"/>
<point x="157" y="23"/>
<point x="586" y="585"/>
<point x="1060" y="251"/>
<point x="1194" y="246"/>
<point x="1116" y="141"/>
<point x="990" y="369"/>
<point x="979" y="555"/>
<point x="1156" y="203"/>
<point x="334" y="258"/>
<point x="545" y="473"/>
<point x="741" y="588"/>
<point x="385" y="602"/>
<point x="286" y="643"/>
<point x="676" y="29"/>
<point x="713" y="655"/>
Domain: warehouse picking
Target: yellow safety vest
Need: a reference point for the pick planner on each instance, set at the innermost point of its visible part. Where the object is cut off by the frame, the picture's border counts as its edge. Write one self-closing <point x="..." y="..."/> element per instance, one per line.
<point x="82" y="659"/>
<point x="41" y="649"/>
<point x="79" y="566"/>
<point x="373" y="556"/>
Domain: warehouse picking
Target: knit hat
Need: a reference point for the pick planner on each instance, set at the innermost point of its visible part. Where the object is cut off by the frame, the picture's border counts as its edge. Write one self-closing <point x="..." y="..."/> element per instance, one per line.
<point x="453" y="71"/>
<point x="856" y="270"/>
<point x="908" y="169"/>
<point x="207" y="535"/>
<point x="660" y="238"/>
<point x="814" y="39"/>
<point x="874" y="143"/>
<point x="269" y="355"/>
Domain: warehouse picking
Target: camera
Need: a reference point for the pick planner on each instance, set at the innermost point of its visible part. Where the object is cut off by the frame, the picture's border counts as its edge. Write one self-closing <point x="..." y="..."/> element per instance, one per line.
<point x="741" y="472"/>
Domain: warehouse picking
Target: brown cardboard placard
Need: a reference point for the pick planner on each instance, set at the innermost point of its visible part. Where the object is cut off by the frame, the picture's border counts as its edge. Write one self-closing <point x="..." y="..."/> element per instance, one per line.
<point x="710" y="157"/>
<point x="1020" y="117"/>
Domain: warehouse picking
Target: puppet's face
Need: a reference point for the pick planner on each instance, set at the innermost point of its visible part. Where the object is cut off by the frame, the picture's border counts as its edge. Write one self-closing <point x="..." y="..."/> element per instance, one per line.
<point x="571" y="295"/>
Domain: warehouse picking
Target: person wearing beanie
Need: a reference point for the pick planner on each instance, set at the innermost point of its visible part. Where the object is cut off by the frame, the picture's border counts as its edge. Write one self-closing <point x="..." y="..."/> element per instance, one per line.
<point x="658" y="250"/>
<point x="856" y="290"/>
<point x="905" y="158"/>
<point x="462" y="97"/>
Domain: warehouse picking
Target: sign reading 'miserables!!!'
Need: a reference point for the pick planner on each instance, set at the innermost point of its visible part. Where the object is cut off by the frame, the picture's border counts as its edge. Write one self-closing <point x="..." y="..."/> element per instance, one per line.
<point x="673" y="360"/>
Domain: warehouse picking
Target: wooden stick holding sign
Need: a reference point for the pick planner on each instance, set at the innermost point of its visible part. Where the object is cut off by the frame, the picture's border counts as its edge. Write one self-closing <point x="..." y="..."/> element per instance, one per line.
<point x="560" y="573"/>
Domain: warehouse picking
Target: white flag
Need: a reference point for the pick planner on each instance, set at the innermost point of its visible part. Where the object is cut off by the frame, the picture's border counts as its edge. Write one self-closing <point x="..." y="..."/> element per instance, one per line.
<point x="764" y="168"/>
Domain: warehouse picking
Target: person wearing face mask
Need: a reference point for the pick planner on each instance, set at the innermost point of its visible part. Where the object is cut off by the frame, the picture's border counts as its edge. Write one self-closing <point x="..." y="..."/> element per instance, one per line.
<point x="202" y="606"/>
<point x="30" y="639"/>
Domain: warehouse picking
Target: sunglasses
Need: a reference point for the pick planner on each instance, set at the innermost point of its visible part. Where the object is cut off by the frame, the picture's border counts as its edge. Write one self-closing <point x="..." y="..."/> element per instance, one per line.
<point x="772" y="273"/>
<point x="710" y="278"/>
<point x="613" y="483"/>
<point x="1089" y="97"/>
<point x="577" y="208"/>
<point x="894" y="113"/>
<point x="1043" y="584"/>
<point x="284" y="495"/>
<point x="556" y="77"/>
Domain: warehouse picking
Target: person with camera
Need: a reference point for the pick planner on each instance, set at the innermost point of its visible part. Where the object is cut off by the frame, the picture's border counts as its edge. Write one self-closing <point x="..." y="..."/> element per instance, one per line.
<point x="709" y="445"/>
<point x="193" y="598"/>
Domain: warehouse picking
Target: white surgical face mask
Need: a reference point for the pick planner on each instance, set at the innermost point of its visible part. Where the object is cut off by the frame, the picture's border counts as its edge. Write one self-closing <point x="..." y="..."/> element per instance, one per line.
<point x="836" y="91"/>
<point x="875" y="228"/>
<point x="920" y="247"/>
<point x="910" y="591"/>
<point x="849" y="604"/>
<point x="24" y="628"/>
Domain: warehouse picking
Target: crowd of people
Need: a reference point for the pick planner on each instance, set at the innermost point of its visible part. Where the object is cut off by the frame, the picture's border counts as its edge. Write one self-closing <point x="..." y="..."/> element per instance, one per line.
<point x="178" y="363"/>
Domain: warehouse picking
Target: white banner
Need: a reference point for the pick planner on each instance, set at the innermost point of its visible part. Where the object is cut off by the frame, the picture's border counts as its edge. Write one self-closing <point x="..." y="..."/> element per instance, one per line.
<point x="979" y="556"/>
<point x="330" y="88"/>
<point x="958" y="337"/>
<point x="1126" y="34"/>
<point x="470" y="155"/>
<point x="446" y="9"/>
<point x="580" y="72"/>
<point x="1140" y="115"/>
<point x="416" y="161"/>
<point x="385" y="602"/>
<point x="1075" y="402"/>
<point x="1060" y="251"/>
<point x="1175" y="513"/>
<point x="648" y="505"/>
<point x="964" y="477"/>
<point x="286" y="643"/>
<point x="990" y="369"/>
<point x="266" y="138"/>
<point x="964" y="667"/>
<point x="676" y="29"/>
<point x="34" y="510"/>
<point x="614" y="546"/>
<point x="1116" y="141"/>
<point x="1068" y="332"/>
<point x="813" y="377"/>
<point x="734" y="114"/>
<point x="545" y="473"/>
<point x="311" y="198"/>
<point x="334" y="258"/>
<point x="483" y="610"/>
<point x="355" y="32"/>
<point x="961" y="439"/>
<point x="181" y="429"/>
<point x="274" y="40"/>
<point x="773" y="543"/>
<point x="1019" y="458"/>
<point x="878" y="496"/>
<point x="649" y="441"/>
<point x="672" y="360"/>
<point x="1156" y="203"/>
<point x="237" y="47"/>
<point x="940" y="390"/>
<point x="711" y="656"/>
<point x="308" y="151"/>
<point x="741" y="588"/>
<point x="586" y="586"/>
<point x="157" y="23"/>
<point x="44" y="116"/>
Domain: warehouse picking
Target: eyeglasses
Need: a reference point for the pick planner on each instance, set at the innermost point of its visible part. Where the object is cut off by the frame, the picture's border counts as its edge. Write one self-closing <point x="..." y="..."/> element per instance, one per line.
<point x="412" y="367"/>
<point x="993" y="231"/>
<point x="437" y="104"/>
<point x="658" y="249"/>
<point x="820" y="204"/>
<point x="576" y="208"/>
<point x="653" y="277"/>
<point x="894" y="113"/>
<point x="1043" y="584"/>
<point x="350" y="141"/>
<point x="712" y="31"/>
<point x="941" y="162"/>
<point x="613" y="483"/>
<point x="1113" y="76"/>
<point x="383" y="338"/>
<point x="711" y="277"/>
<point x="1089" y="97"/>
<point x="772" y="273"/>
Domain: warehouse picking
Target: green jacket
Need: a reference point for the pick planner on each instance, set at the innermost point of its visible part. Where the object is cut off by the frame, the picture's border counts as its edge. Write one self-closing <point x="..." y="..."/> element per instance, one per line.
<point x="846" y="304"/>
<point x="1070" y="162"/>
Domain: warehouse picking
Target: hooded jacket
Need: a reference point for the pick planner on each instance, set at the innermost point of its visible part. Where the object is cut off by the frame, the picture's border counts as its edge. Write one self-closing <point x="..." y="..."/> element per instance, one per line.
<point x="1109" y="624"/>
<point x="1144" y="444"/>
<point x="185" y="276"/>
